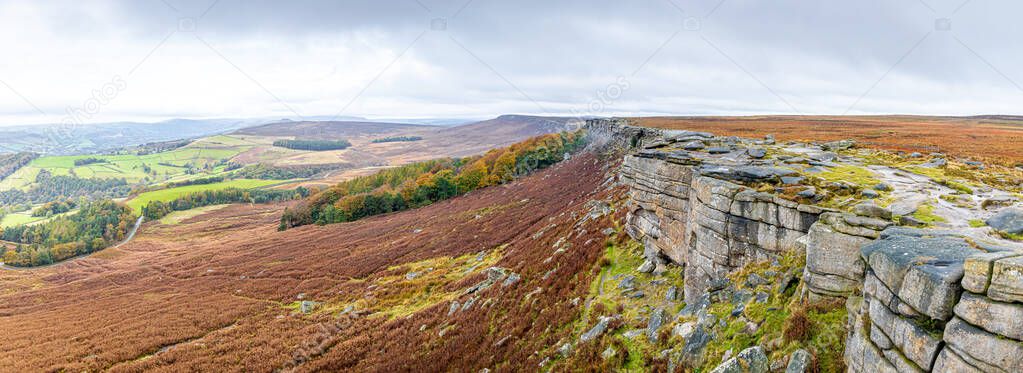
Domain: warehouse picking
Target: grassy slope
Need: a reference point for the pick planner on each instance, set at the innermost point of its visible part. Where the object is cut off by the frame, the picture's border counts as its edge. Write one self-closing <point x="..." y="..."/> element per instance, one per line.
<point x="20" y="218"/>
<point x="174" y="163"/>
<point x="170" y="194"/>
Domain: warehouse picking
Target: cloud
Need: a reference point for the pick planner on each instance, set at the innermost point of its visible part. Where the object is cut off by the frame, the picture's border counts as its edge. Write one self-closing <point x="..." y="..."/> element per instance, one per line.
<point x="476" y="58"/>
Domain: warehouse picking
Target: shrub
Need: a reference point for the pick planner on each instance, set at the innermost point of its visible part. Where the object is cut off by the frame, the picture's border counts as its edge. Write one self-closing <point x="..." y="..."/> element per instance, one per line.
<point x="316" y="145"/>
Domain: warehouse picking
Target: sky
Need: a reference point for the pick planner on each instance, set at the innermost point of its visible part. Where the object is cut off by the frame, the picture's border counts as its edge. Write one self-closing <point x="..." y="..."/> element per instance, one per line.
<point x="101" y="61"/>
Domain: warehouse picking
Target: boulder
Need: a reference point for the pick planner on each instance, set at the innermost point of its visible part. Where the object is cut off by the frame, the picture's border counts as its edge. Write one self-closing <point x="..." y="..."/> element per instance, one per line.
<point x="511" y="280"/>
<point x="935" y="163"/>
<point x="1007" y="221"/>
<point x="693" y="145"/>
<point x="657" y="319"/>
<point x="923" y="270"/>
<point x="719" y="150"/>
<point x="1007" y="280"/>
<point x="830" y="254"/>
<point x="307" y="306"/>
<point x="750" y="360"/>
<point x="978" y="268"/>
<point x="807" y="193"/>
<point x="838" y="145"/>
<point x="597" y="330"/>
<point x="695" y="346"/>
<point x="628" y="283"/>
<point x="909" y="221"/>
<point x="672" y="294"/>
<point x="950" y="361"/>
<point x="757" y="153"/>
<point x="647" y="266"/>
<point x="792" y="180"/>
<point x="871" y="210"/>
<point x="799" y="362"/>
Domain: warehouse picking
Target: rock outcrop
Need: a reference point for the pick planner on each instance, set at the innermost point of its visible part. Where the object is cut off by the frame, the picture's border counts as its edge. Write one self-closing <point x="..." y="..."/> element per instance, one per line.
<point x="689" y="210"/>
<point x="929" y="304"/>
<point x="919" y="300"/>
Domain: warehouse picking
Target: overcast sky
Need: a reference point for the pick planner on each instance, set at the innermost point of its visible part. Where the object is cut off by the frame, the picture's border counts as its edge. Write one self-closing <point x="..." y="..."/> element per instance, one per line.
<point x="99" y="61"/>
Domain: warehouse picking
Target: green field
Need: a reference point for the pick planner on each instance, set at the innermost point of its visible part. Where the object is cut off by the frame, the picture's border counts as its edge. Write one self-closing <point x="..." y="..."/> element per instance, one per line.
<point x="204" y="154"/>
<point x="166" y="195"/>
<point x="20" y="218"/>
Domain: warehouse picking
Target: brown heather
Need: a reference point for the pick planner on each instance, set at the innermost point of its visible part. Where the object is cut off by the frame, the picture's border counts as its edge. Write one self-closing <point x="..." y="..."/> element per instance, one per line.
<point x="214" y="293"/>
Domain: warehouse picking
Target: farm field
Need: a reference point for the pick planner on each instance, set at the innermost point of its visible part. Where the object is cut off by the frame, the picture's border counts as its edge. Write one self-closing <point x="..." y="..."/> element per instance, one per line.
<point x="993" y="139"/>
<point x="19" y="218"/>
<point x="166" y="195"/>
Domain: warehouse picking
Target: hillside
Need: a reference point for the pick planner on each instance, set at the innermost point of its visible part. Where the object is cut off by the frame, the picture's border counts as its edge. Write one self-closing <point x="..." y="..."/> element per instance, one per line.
<point x="229" y="279"/>
<point x="60" y="139"/>
<point x="327" y="129"/>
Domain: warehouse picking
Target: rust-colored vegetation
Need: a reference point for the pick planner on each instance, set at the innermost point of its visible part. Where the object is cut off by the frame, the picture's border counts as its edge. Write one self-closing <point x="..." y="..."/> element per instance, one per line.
<point x="222" y="291"/>
<point x="990" y="138"/>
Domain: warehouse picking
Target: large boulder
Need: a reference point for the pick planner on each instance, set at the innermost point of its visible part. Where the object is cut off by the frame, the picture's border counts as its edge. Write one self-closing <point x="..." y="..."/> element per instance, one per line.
<point x="1007" y="221"/>
<point x="750" y="360"/>
<point x="923" y="268"/>
<point x="833" y="262"/>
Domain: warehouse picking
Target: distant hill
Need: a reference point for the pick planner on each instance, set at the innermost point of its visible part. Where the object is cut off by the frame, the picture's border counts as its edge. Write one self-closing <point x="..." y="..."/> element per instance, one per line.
<point x="475" y="138"/>
<point x="511" y="126"/>
<point x="328" y="129"/>
<point x="57" y="139"/>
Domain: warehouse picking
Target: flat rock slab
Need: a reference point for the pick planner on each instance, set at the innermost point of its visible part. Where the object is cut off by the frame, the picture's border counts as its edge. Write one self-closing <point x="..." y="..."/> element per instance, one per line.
<point x="923" y="271"/>
<point x="1008" y="221"/>
<point x="996" y="317"/>
<point x="982" y="348"/>
<point x="1007" y="280"/>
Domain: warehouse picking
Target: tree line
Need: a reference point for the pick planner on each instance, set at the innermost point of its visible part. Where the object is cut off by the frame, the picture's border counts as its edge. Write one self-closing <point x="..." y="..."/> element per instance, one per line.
<point x="316" y="145"/>
<point x="12" y="162"/>
<point x="89" y="160"/>
<point x="422" y="183"/>
<point x="265" y="171"/>
<point x="158" y="209"/>
<point x="397" y="139"/>
<point x="49" y="187"/>
<point x="54" y="208"/>
<point x="95" y="226"/>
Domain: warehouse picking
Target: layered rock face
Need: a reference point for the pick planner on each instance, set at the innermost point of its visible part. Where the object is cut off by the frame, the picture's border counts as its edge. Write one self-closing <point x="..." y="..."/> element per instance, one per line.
<point x="936" y="301"/>
<point x="713" y="226"/>
<point x="690" y="208"/>
<point x="919" y="300"/>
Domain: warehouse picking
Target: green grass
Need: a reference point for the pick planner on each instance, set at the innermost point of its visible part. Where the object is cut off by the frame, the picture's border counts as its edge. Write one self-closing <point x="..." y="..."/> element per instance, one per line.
<point x="926" y="214"/>
<point x="977" y="223"/>
<point x="167" y="166"/>
<point x="852" y="174"/>
<point x="166" y="195"/>
<point x="21" y="218"/>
